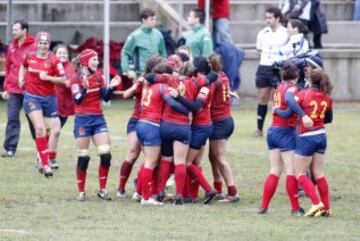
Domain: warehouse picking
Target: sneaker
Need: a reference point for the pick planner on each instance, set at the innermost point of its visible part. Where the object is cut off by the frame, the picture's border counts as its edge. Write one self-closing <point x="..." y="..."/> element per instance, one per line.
<point x="258" y="133"/>
<point x="190" y="200"/>
<point x="230" y="199"/>
<point x="219" y="197"/>
<point x="81" y="197"/>
<point x="314" y="209"/>
<point x="54" y="164"/>
<point x="301" y="193"/>
<point x="323" y="213"/>
<point x="151" y="202"/>
<point x="170" y="181"/>
<point x="103" y="194"/>
<point x="47" y="171"/>
<point x="178" y="200"/>
<point x="136" y="197"/>
<point x="262" y="211"/>
<point x="8" y="154"/>
<point x="210" y="196"/>
<point x="121" y="193"/>
<point x="298" y="213"/>
<point x="161" y="196"/>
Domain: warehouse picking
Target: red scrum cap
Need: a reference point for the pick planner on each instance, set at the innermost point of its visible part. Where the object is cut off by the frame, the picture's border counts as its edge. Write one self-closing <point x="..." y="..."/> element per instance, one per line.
<point x="86" y="55"/>
<point x="43" y="36"/>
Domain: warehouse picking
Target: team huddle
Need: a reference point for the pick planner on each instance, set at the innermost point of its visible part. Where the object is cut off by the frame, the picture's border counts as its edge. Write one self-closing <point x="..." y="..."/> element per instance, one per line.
<point x="181" y="102"/>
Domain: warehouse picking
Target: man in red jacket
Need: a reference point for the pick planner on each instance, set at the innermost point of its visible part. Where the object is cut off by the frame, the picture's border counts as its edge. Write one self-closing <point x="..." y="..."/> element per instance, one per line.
<point x="220" y="10"/>
<point x="22" y="44"/>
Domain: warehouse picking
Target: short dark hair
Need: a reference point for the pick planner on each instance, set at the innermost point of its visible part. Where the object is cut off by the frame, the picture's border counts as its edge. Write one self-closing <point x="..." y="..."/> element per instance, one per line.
<point x="296" y="23"/>
<point x="23" y="24"/>
<point x="146" y="13"/>
<point x="200" y="14"/>
<point x="276" y="11"/>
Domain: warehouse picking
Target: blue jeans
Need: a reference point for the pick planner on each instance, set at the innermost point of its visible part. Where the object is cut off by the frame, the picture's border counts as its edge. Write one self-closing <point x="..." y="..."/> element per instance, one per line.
<point x="221" y="30"/>
<point x="357" y="10"/>
<point x="12" y="133"/>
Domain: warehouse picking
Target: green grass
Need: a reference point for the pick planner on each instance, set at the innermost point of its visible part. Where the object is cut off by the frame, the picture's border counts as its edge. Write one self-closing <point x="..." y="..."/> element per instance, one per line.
<point x="34" y="208"/>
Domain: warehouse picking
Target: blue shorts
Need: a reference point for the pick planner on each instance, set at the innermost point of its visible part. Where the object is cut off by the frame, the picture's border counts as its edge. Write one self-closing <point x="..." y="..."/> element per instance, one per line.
<point x="89" y="125"/>
<point x="48" y="104"/>
<point x="170" y="132"/>
<point x="283" y="138"/>
<point x="148" y="133"/>
<point x="309" y="145"/>
<point x="199" y="135"/>
<point x="131" y="126"/>
<point x="222" y="129"/>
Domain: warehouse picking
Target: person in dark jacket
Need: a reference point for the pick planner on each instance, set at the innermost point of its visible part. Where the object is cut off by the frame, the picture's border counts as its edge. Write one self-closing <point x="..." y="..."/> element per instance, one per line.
<point x="318" y="23"/>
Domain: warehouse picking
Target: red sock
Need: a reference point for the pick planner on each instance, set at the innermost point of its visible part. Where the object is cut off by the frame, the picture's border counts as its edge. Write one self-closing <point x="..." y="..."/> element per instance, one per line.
<point x="155" y="182"/>
<point x="309" y="189"/>
<point x="81" y="178"/>
<point x="218" y="186"/>
<point x="194" y="189"/>
<point x="197" y="174"/>
<point x="165" y="167"/>
<point x="52" y="155"/>
<point x="146" y="179"/>
<point x="186" y="191"/>
<point x="323" y="187"/>
<point x="180" y="176"/>
<point x="125" y="171"/>
<point x="269" y="190"/>
<point x="232" y="190"/>
<point x="292" y="191"/>
<point x="138" y="180"/>
<point x="42" y="148"/>
<point x="103" y="176"/>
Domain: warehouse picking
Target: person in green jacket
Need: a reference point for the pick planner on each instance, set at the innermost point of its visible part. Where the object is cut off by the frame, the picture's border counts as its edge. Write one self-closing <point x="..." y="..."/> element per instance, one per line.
<point x="141" y="44"/>
<point x="199" y="39"/>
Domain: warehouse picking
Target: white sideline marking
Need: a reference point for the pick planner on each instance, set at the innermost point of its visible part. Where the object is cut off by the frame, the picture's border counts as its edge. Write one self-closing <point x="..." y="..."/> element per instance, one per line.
<point x="14" y="231"/>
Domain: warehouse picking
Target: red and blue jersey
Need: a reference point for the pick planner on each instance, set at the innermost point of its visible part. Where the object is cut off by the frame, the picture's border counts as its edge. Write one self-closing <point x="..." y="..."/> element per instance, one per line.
<point x="220" y="104"/>
<point x="315" y="104"/>
<point x="34" y="65"/>
<point x="279" y="102"/>
<point x="63" y="93"/>
<point x="152" y="102"/>
<point x="137" y="106"/>
<point x="90" y="105"/>
<point x="202" y="117"/>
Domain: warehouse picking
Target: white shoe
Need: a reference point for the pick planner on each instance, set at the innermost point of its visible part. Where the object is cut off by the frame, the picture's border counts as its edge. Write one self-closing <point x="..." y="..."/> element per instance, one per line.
<point x="171" y="181"/>
<point x="151" y="202"/>
<point x="121" y="194"/>
<point x="136" y="197"/>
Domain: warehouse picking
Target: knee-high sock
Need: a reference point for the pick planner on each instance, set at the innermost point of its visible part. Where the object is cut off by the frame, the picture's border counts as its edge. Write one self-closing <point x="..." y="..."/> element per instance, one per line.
<point x="125" y="171"/>
<point x="165" y="167"/>
<point x="323" y="187"/>
<point x="261" y="114"/>
<point x="218" y="186"/>
<point x="269" y="190"/>
<point x="180" y="176"/>
<point x="139" y="180"/>
<point x="292" y="190"/>
<point x="42" y="148"/>
<point x="309" y="189"/>
<point x="103" y="176"/>
<point x="196" y="174"/>
<point x="155" y="182"/>
<point x="146" y="180"/>
<point x="81" y="179"/>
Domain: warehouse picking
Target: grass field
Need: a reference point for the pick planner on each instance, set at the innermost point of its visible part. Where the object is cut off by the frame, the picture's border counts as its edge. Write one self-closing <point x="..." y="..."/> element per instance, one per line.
<point x="35" y="208"/>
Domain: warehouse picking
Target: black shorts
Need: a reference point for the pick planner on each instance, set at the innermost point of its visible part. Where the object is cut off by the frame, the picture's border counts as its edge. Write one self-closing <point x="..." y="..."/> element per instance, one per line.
<point x="266" y="77"/>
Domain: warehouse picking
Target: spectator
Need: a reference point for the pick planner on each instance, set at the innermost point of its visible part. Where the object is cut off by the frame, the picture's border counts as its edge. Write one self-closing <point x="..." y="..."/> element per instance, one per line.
<point x="297" y="9"/>
<point x="21" y="44"/>
<point x="220" y="10"/>
<point x="142" y="44"/>
<point x="296" y="43"/>
<point x="198" y="39"/>
<point x="268" y="43"/>
<point x="318" y="23"/>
